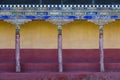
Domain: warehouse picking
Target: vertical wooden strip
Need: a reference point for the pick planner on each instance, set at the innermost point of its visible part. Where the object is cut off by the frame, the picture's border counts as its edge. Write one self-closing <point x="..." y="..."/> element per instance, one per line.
<point x="18" y="67"/>
<point x="60" y="48"/>
<point x="102" y="69"/>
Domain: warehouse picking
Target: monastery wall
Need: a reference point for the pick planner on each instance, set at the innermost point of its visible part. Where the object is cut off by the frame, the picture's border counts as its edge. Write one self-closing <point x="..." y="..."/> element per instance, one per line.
<point x="38" y="35"/>
<point x="76" y="35"/>
<point x="7" y="35"/>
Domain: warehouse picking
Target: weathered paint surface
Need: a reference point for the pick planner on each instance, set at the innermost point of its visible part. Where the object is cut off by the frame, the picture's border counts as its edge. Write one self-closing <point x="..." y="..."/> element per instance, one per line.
<point x="112" y="35"/>
<point x="38" y="35"/>
<point x="7" y="35"/>
<point x="80" y="35"/>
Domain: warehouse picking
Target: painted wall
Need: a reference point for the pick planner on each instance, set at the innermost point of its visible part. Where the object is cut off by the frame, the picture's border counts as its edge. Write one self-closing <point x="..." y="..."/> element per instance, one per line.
<point x="112" y="35"/>
<point x="80" y="35"/>
<point x="76" y="35"/>
<point x="7" y="35"/>
<point x="38" y="35"/>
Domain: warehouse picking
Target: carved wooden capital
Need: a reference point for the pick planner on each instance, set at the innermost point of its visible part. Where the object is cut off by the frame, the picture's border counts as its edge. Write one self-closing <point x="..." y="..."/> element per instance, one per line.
<point x="60" y="22"/>
<point x="101" y="22"/>
<point x="17" y="21"/>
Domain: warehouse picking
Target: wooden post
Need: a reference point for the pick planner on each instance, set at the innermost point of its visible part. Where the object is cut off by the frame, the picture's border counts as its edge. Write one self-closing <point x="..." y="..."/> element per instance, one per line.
<point x="60" y="48"/>
<point x="18" y="67"/>
<point x="102" y="69"/>
<point x="17" y="22"/>
<point x="60" y="22"/>
<point x="101" y="22"/>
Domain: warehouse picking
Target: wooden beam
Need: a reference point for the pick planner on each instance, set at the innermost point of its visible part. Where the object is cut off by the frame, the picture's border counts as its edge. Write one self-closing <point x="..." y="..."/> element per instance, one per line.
<point x="60" y="49"/>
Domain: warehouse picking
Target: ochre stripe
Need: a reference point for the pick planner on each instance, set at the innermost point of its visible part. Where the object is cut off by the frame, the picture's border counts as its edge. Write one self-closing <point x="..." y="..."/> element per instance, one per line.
<point x="76" y="35"/>
<point x="112" y="35"/>
<point x="7" y="35"/>
<point x="38" y="34"/>
<point x="80" y="35"/>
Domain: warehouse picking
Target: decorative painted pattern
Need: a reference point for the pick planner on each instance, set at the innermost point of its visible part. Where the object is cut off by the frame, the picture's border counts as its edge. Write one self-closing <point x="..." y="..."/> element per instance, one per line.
<point x="64" y="11"/>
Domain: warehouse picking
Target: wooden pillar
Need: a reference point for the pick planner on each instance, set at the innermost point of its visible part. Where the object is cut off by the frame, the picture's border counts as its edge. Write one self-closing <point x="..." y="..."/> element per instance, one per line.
<point x="17" y="22"/>
<point x="60" y="22"/>
<point x="18" y="67"/>
<point x="102" y="69"/>
<point x="60" y="49"/>
<point x="101" y="22"/>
